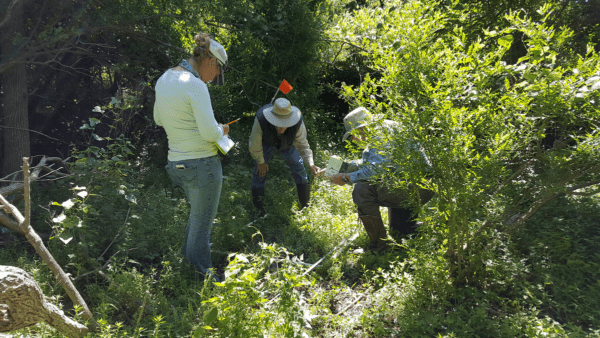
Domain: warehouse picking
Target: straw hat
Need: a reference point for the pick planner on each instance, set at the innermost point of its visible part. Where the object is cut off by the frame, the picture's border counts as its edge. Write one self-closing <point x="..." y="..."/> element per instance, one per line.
<point x="282" y="113"/>
<point x="355" y="119"/>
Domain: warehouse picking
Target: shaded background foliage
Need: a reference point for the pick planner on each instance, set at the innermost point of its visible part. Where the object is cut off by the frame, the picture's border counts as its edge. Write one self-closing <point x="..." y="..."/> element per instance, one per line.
<point x="80" y="54"/>
<point x="105" y="49"/>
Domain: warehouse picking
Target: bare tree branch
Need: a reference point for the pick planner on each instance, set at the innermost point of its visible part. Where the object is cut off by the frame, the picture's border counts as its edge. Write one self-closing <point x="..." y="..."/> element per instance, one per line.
<point x="40" y="248"/>
<point x="99" y="270"/>
<point x="118" y="233"/>
<point x="541" y="202"/>
<point x="516" y="174"/>
<point x="34" y="131"/>
<point x="347" y="43"/>
<point x="35" y="175"/>
<point x="8" y="12"/>
<point x="10" y="223"/>
<point x="223" y="26"/>
<point x="586" y="194"/>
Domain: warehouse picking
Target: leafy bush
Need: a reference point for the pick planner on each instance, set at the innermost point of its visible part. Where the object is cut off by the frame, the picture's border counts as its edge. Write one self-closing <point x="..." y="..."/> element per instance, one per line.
<point x="501" y="139"/>
<point x="241" y="305"/>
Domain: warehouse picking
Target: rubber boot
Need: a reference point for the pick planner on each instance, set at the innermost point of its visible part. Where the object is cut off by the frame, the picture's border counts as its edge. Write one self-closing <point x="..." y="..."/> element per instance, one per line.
<point x="257" y="199"/>
<point x="303" y="194"/>
<point x="401" y="223"/>
<point x="376" y="232"/>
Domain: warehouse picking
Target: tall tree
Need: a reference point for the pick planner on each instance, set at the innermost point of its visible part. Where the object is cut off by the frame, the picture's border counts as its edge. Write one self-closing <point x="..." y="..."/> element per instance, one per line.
<point x="15" y="119"/>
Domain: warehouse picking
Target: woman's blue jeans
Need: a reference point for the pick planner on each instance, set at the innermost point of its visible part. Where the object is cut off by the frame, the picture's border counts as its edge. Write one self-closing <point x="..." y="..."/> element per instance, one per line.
<point x="201" y="179"/>
<point x="293" y="160"/>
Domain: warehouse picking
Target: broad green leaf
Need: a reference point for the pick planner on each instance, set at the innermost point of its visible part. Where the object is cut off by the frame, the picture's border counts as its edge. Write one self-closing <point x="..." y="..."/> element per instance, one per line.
<point x="68" y="204"/>
<point x="131" y="198"/>
<point x="529" y="77"/>
<point x="94" y="121"/>
<point x="199" y="332"/>
<point x="211" y="315"/>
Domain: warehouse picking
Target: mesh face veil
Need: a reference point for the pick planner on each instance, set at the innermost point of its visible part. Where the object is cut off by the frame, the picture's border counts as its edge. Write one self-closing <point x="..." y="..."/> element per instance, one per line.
<point x="221" y="55"/>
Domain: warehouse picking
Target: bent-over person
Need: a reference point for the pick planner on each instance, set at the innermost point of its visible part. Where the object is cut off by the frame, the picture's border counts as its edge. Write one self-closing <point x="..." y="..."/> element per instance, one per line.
<point x="280" y="126"/>
<point x="368" y="194"/>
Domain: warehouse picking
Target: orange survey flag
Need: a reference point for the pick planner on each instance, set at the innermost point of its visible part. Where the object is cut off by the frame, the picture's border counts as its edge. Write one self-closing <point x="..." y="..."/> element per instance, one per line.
<point x="285" y="87"/>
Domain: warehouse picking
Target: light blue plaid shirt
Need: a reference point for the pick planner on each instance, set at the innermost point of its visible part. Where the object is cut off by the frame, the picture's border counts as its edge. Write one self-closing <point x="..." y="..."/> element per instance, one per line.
<point x="373" y="160"/>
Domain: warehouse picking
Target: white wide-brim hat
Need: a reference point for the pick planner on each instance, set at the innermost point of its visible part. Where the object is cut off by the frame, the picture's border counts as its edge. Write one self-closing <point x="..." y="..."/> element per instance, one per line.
<point x="357" y="118"/>
<point x="282" y="114"/>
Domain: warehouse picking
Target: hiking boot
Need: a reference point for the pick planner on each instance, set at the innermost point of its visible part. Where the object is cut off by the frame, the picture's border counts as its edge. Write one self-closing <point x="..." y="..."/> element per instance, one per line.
<point x="400" y="221"/>
<point x="303" y="194"/>
<point x="257" y="200"/>
<point x="376" y="232"/>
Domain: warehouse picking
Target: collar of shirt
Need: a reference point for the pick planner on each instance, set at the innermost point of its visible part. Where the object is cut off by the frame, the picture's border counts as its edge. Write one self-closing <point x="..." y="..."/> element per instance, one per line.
<point x="189" y="68"/>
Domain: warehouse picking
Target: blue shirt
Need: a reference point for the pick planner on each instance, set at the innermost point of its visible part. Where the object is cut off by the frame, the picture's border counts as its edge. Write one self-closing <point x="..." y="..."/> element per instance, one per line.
<point x="374" y="160"/>
<point x="371" y="159"/>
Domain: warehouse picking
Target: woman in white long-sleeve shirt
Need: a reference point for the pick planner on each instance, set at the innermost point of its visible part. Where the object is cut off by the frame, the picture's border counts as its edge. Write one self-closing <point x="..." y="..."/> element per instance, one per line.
<point x="184" y="109"/>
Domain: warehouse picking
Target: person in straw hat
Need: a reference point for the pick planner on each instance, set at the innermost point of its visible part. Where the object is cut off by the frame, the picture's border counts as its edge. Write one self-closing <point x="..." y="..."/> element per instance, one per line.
<point x="280" y="126"/>
<point x="369" y="195"/>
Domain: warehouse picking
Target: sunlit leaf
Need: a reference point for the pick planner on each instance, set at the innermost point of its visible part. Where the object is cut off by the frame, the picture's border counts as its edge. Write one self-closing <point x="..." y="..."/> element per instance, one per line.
<point x="211" y="315"/>
<point x="68" y="204"/>
<point x="131" y="198"/>
<point x="59" y="219"/>
<point x="65" y="238"/>
<point x="506" y="41"/>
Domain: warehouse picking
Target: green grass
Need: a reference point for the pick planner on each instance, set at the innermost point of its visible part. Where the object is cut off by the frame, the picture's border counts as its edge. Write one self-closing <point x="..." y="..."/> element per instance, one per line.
<point x="544" y="279"/>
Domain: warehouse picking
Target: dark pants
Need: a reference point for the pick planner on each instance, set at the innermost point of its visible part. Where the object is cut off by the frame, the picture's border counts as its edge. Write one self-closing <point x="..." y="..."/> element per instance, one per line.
<point x="292" y="159"/>
<point x="369" y="197"/>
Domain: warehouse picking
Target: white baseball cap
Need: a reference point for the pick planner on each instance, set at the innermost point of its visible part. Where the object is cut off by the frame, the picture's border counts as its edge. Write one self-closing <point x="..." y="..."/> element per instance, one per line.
<point x="219" y="52"/>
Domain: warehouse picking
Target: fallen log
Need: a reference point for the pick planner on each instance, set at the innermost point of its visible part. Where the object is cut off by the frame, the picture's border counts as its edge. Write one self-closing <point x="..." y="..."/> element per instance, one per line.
<point x="22" y="304"/>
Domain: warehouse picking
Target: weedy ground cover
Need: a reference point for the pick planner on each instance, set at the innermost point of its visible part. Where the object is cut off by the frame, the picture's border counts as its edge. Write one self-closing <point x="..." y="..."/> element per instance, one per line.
<point x="125" y="258"/>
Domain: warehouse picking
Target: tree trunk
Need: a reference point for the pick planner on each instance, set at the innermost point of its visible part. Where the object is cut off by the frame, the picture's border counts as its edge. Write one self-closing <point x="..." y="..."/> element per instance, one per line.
<point x="14" y="119"/>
